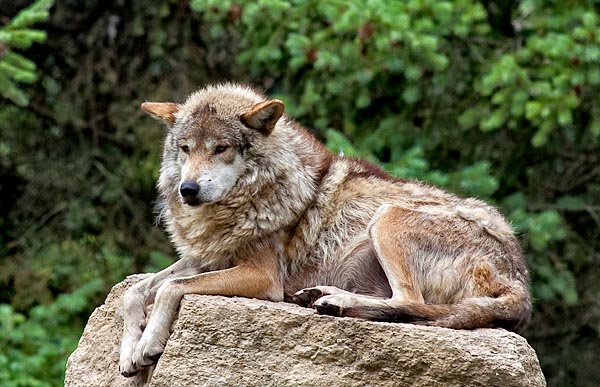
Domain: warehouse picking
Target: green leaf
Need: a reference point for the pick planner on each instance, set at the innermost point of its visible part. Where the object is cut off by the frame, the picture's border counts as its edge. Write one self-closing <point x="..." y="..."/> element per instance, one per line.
<point x="36" y="12"/>
<point x="18" y="61"/>
<point x="494" y="120"/>
<point x="337" y="142"/>
<point x="411" y="94"/>
<point x="470" y="117"/>
<point x="476" y="180"/>
<point x="541" y="136"/>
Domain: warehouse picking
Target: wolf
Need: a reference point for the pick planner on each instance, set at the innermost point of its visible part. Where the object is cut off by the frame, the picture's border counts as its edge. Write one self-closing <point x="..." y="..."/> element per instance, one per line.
<point x="257" y="207"/>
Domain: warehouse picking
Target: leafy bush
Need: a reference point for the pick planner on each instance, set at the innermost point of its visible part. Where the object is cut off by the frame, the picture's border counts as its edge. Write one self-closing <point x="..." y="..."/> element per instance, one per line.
<point x="34" y="348"/>
<point x="14" y="67"/>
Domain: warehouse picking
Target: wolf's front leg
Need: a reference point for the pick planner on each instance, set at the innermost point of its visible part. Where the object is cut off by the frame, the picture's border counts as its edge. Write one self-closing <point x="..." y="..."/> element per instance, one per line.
<point x="134" y="316"/>
<point x="243" y="280"/>
<point x="135" y="301"/>
<point x="154" y="338"/>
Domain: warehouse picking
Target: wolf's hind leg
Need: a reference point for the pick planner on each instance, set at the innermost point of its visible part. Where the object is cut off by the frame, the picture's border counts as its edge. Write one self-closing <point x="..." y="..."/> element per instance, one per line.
<point x="391" y="253"/>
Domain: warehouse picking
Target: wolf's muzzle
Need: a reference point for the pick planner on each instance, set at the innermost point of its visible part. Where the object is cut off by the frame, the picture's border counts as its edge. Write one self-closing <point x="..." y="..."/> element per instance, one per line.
<point x="189" y="191"/>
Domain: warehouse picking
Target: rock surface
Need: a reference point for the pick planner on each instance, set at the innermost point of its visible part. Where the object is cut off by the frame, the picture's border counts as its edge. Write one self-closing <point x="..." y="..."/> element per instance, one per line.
<point x="220" y="341"/>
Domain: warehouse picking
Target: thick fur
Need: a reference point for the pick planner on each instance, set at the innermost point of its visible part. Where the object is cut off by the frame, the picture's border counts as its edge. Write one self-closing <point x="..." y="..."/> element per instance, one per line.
<point x="277" y="216"/>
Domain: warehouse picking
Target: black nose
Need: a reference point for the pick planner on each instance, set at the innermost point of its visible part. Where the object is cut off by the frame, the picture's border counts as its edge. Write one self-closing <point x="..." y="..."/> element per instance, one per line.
<point x="189" y="189"/>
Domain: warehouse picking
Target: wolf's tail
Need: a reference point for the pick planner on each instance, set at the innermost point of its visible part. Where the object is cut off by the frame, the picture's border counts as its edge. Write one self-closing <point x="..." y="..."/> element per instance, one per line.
<point x="509" y="311"/>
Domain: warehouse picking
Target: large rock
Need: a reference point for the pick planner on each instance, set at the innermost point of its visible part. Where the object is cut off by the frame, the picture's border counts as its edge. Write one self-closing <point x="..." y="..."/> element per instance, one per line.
<point x="220" y="341"/>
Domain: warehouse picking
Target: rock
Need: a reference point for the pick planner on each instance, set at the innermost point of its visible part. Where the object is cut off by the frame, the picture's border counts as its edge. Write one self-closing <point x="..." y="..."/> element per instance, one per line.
<point x="220" y="341"/>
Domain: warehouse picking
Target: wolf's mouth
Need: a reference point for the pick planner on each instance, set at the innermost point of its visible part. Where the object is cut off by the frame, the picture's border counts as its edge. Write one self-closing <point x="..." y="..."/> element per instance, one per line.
<point x="193" y="202"/>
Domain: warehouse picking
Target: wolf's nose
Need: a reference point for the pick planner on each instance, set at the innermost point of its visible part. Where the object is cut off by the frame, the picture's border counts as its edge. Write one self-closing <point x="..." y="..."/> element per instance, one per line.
<point x="189" y="189"/>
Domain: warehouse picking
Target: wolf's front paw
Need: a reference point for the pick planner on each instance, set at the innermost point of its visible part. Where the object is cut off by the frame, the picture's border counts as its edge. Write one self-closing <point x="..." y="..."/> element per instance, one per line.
<point x="148" y="351"/>
<point x="126" y="366"/>
<point x="129" y="342"/>
<point x="128" y="369"/>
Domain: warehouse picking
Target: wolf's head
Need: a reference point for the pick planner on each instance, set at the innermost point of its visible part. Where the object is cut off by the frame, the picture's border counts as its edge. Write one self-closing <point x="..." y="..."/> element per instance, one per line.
<point x="208" y="139"/>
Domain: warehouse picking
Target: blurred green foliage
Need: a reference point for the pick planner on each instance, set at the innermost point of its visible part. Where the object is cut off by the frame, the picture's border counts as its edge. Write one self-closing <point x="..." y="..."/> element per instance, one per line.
<point x="34" y="349"/>
<point x="486" y="98"/>
<point x="17" y="34"/>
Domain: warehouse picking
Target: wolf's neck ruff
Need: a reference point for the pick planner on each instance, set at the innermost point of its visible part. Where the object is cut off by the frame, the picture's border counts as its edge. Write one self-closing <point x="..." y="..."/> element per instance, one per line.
<point x="270" y="193"/>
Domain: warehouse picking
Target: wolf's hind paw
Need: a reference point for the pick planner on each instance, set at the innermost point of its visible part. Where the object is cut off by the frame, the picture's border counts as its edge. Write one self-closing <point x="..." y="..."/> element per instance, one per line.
<point x="307" y="297"/>
<point x="325" y="307"/>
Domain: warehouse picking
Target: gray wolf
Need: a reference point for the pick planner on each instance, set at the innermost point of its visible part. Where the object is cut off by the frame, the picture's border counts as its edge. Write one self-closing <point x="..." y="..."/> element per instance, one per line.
<point x="257" y="207"/>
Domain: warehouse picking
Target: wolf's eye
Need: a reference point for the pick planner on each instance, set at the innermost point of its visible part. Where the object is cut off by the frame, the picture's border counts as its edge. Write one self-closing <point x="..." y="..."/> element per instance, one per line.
<point x="185" y="149"/>
<point x="220" y="149"/>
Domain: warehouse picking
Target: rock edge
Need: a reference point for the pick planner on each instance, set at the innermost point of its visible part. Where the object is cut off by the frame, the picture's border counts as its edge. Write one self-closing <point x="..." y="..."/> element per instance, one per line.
<point x="219" y="341"/>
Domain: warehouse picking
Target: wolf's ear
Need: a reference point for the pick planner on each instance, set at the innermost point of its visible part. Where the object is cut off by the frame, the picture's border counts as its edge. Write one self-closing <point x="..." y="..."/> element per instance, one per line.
<point x="263" y="116"/>
<point x="161" y="110"/>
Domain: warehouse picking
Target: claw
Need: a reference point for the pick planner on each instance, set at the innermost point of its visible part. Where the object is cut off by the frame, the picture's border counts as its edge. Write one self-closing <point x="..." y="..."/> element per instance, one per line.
<point x="131" y="373"/>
